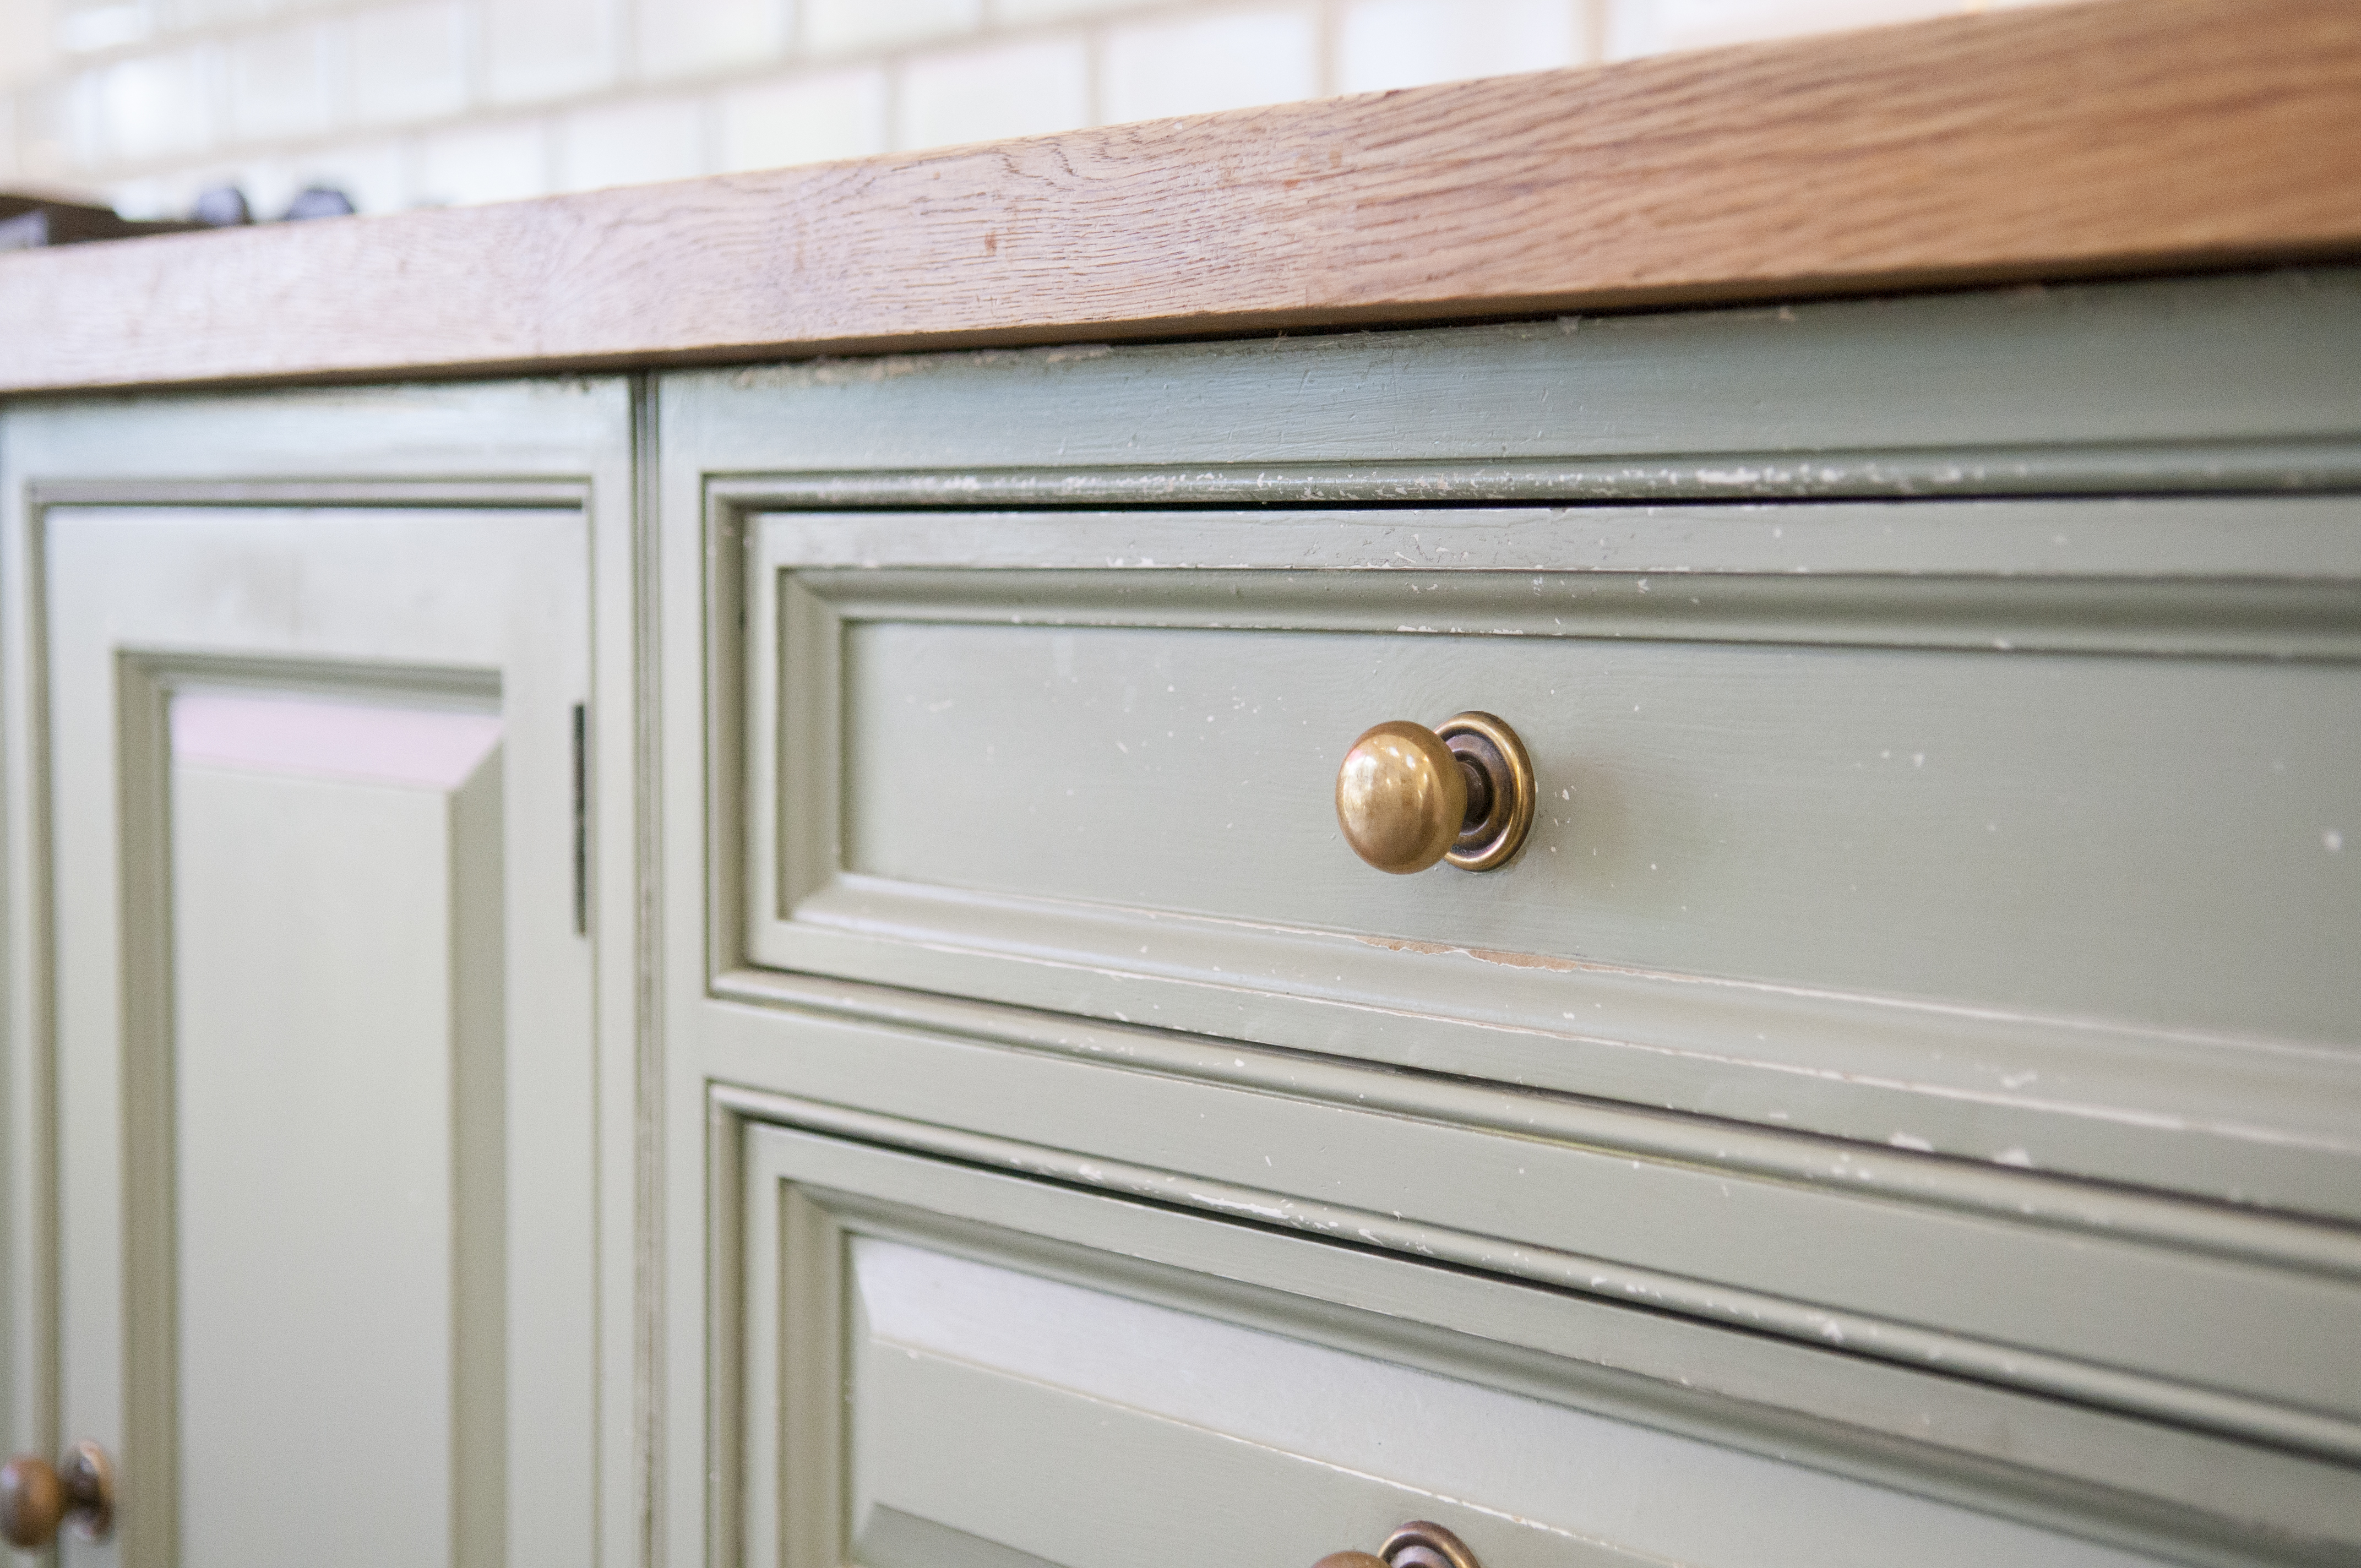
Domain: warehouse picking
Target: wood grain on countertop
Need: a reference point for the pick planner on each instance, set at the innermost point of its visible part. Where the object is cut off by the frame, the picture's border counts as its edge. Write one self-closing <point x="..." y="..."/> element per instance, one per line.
<point x="2112" y="136"/>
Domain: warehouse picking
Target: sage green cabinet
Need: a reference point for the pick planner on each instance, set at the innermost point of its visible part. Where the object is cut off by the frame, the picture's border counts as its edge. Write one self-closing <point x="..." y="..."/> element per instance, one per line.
<point x="305" y="994"/>
<point x="755" y="966"/>
<point x="1916" y="1048"/>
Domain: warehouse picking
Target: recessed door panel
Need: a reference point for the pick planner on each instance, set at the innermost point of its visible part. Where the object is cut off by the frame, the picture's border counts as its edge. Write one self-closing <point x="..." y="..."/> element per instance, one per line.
<point x="327" y="1147"/>
<point x="335" y="1013"/>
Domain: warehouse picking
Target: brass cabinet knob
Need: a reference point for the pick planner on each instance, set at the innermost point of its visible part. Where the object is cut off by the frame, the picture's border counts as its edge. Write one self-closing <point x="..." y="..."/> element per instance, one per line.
<point x="1417" y="1544"/>
<point x="35" y="1500"/>
<point x="1408" y="796"/>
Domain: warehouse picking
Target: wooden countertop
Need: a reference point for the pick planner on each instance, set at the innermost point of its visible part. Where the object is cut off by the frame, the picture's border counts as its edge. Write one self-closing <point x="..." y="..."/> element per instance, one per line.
<point x="2112" y="136"/>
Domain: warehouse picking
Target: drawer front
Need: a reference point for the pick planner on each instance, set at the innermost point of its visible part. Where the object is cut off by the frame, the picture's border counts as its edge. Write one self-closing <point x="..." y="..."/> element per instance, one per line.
<point x="2009" y="829"/>
<point x="945" y="1365"/>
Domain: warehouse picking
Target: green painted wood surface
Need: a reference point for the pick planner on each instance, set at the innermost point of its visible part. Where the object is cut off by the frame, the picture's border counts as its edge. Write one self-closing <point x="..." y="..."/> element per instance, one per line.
<point x="2008" y="1290"/>
<point x="311" y="1178"/>
<point x="1867" y="765"/>
<point x="203" y="1333"/>
<point x="1030" y="538"/>
<point x="2127" y="950"/>
<point x="2122" y="386"/>
<point x="990" y="1369"/>
<point x="1796" y="540"/>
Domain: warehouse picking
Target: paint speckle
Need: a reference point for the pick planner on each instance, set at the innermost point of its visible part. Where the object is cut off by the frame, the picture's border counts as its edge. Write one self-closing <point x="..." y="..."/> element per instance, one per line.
<point x="1905" y="1141"/>
<point x="2334" y="840"/>
<point x="2017" y="1157"/>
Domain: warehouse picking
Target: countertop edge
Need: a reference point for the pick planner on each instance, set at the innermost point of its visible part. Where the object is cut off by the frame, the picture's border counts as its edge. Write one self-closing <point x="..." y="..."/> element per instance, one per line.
<point x="2107" y="137"/>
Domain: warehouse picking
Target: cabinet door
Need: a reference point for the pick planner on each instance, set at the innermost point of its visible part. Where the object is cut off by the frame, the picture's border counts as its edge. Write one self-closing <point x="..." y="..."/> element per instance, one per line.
<point x="322" y="1017"/>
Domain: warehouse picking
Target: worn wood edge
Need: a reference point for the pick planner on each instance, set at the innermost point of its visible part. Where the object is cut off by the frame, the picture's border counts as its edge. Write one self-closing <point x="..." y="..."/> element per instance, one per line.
<point x="2111" y="137"/>
<point x="2322" y="465"/>
<point x="1958" y="1356"/>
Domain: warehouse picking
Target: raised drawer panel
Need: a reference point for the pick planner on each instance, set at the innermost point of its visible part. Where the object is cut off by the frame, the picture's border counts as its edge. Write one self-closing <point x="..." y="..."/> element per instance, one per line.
<point x="2118" y="837"/>
<point x="947" y="1366"/>
<point x="1145" y="1426"/>
<point x="2008" y="829"/>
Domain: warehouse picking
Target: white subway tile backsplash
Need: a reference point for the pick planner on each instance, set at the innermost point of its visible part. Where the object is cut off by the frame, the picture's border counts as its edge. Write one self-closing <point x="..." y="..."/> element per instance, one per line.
<point x="504" y="162"/>
<point x="97" y="26"/>
<point x="846" y="26"/>
<point x="805" y="119"/>
<point x="156" y="196"/>
<point x="29" y="45"/>
<point x="194" y="15"/>
<point x="1020" y="12"/>
<point x="1407" y="43"/>
<point x="268" y="183"/>
<point x="630" y="144"/>
<point x="408" y="62"/>
<point x="157" y="105"/>
<point x="1007" y="89"/>
<point x="686" y="37"/>
<point x="58" y="131"/>
<point x="374" y="174"/>
<point x="1653" y="26"/>
<point x="549" y="48"/>
<point x="424" y="100"/>
<point x="1196" y="64"/>
<point x="278" y="83"/>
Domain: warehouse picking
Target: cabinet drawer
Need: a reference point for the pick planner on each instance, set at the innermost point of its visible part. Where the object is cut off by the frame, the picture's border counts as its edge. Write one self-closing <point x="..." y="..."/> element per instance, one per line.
<point x="2009" y="829"/>
<point x="946" y="1366"/>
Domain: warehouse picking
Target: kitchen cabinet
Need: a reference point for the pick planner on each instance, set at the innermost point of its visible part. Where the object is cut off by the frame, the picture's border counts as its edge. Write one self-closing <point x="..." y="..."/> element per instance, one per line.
<point x="630" y="940"/>
<point x="320" y="1122"/>
<point x="778" y="942"/>
<point x="1927" y="965"/>
<point x="1904" y="1078"/>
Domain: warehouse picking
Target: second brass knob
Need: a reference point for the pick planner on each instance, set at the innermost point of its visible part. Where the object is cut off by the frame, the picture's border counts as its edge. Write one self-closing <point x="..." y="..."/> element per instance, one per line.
<point x="1408" y="796"/>
<point x="35" y="1498"/>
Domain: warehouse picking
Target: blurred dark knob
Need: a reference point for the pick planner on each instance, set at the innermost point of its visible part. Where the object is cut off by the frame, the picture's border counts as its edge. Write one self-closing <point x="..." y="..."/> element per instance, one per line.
<point x="35" y="1500"/>
<point x="319" y="202"/>
<point x="222" y="206"/>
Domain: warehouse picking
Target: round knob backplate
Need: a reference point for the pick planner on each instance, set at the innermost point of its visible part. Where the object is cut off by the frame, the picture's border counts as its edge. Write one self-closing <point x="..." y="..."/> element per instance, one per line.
<point x="1494" y="830"/>
<point x="1418" y="1544"/>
